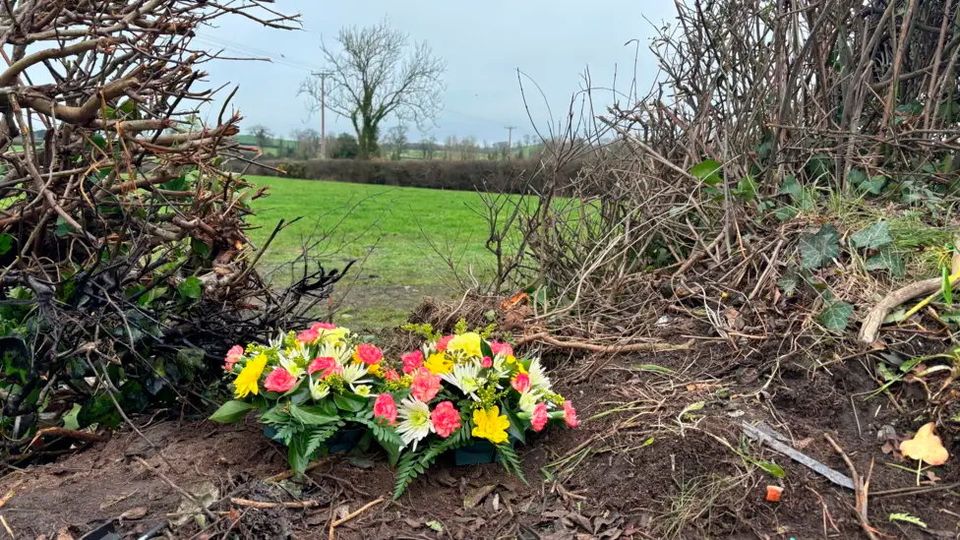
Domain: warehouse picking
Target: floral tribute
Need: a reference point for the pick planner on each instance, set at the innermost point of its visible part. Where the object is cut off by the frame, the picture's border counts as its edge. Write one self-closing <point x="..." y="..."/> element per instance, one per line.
<point x="455" y="391"/>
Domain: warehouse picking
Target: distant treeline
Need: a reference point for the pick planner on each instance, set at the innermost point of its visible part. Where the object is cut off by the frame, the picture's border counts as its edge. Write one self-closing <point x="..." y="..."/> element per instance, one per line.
<point x="514" y="176"/>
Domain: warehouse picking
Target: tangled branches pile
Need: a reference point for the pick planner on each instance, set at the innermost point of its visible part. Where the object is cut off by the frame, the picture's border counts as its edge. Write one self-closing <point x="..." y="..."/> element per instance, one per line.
<point x="123" y="255"/>
<point x="768" y="119"/>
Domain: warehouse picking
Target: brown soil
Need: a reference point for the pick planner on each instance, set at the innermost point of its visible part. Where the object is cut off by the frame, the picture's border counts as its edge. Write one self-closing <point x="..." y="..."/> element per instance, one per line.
<point x="644" y="469"/>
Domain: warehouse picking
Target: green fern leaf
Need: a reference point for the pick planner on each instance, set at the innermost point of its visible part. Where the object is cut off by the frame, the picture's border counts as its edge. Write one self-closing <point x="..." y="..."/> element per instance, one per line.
<point x="511" y="461"/>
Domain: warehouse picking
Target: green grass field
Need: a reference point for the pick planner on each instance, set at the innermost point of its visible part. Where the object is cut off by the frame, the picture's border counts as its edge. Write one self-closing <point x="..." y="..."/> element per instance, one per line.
<point x="393" y="234"/>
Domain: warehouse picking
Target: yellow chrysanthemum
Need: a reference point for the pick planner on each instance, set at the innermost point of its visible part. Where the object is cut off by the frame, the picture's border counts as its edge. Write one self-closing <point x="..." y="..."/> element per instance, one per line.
<point x="246" y="381"/>
<point x="375" y="370"/>
<point x="515" y="364"/>
<point x="489" y="424"/>
<point x="468" y="344"/>
<point x="438" y="364"/>
<point x="334" y="336"/>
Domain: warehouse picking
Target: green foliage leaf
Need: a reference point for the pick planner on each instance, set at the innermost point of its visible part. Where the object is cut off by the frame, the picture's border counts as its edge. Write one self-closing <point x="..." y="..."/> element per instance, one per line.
<point x="747" y="189"/>
<point x="232" y="411"/>
<point x="872" y="237"/>
<point x="191" y="288"/>
<point x="836" y="316"/>
<point x="708" y="172"/>
<point x="510" y="460"/>
<point x="946" y="288"/>
<point x="311" y="415"/>
<point x="349" y="402"/>
<point x="907" y="518"/>
<point x="819" y="249"/>
<point x="6" y="243"/>
<point x="771" y="468"/>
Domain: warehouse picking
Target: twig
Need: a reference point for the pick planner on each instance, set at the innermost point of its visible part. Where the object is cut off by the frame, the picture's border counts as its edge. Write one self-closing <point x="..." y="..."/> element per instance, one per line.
<point x="263" y="505"/>
<point x="876" y="316"/>
<point x="85" y="436"/>
<point x="288" y="473"/>
<point x="7" y="527"/>
<point x="545" y="337"/>
<point x="337" y="522"/>
<point x="861" y="489"/>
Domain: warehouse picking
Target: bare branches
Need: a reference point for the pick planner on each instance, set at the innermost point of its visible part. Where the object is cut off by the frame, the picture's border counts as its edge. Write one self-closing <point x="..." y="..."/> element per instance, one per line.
<point x="124" y="259"/>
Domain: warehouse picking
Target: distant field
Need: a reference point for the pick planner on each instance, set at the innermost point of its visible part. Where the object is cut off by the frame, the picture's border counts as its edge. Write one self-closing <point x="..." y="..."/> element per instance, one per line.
<point x="389" y="230"/>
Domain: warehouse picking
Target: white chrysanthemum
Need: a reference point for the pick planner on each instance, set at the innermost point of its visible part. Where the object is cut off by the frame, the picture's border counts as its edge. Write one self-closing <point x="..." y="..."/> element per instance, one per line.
<point x="538" y="377"/>
<point x="318" y="389"/>
<point x="414" y="421"/>
<point x="292" y="361"/>
<point x="500" y="370"/>
<point x="340" y="353"/>
<point x="466" y="377"/>
<point x="353" y="373"/>
<point x="362" y="390"/>
<point x="528" y="401"/>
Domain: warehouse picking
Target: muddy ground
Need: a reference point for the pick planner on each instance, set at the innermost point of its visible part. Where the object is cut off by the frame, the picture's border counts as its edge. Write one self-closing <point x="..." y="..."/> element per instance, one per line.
<point x="662" y="453"/>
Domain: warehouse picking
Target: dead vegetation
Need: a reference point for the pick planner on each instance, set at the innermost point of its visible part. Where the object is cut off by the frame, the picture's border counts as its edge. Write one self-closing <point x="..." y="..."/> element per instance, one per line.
<point x="124" y="262"/>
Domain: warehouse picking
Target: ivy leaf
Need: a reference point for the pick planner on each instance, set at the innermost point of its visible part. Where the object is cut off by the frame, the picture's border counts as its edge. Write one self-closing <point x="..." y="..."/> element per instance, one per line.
<point x="819" y="249"/>
<point x="836" y="316"/>
<point x="887" y="259"/>
<point x="872" y="237"/>
<point x="789" y="283"/>
<point x="708" y="172"/>
<point x="191" y="288"/>
<point x="231" y="411"/>
<point x="747" y="188"/>
<point x="874" y="185"/>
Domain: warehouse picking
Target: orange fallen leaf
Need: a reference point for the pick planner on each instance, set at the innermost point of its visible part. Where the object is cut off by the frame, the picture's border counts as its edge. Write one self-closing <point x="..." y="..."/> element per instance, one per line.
<point x="925" y="446"/>
<point x="774" y="493"/>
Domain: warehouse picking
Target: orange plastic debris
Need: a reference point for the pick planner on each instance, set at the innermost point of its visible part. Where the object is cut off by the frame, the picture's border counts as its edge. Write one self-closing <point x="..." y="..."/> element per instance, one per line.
<point x="774" y="493"/>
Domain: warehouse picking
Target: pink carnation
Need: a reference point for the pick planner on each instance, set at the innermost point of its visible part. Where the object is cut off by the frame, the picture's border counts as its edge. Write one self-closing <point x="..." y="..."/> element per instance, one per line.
<point x="317" y="326"/>
<point x="443" y="342"/>
<point x="368" y="354"/>
<point x="425" y="385"/>
<point x="539" y="419"/>
<point x="385" y="407"/>
<point x="445" y="419"/>
<point x="521" y="382"/>
<point x="412" y="361"/>
<point x="233" y="356"/>
<point x="570" y="414"/>
<point x="326" y="365"/>
<point x="486" y="362"/>
<point x="501" y="348"/>
<point x="279" y="380"/>
<point x="308" y="336"/>
<point x="391" y="375"/>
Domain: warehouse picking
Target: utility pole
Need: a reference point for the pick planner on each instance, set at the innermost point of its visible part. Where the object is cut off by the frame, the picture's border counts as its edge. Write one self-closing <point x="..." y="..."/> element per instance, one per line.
<point x="510" y="140"/>
<point x="323" y="109"/>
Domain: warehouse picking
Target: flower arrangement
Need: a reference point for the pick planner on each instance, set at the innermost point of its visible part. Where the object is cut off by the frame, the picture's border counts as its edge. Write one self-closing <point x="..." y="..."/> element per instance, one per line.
<point x="455" y="391"/>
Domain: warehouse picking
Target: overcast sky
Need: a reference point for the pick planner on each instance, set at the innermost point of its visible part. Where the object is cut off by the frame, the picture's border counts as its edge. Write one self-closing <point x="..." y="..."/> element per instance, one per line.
<point x="482" y="43"/>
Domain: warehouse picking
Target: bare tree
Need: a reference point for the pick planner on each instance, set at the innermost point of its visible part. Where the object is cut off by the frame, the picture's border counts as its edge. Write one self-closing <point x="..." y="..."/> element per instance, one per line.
<point x="375" y="73"/>
<point x="308" y="143"/>
<point x="262" y="134"/>
<point x="396" y="140"/>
